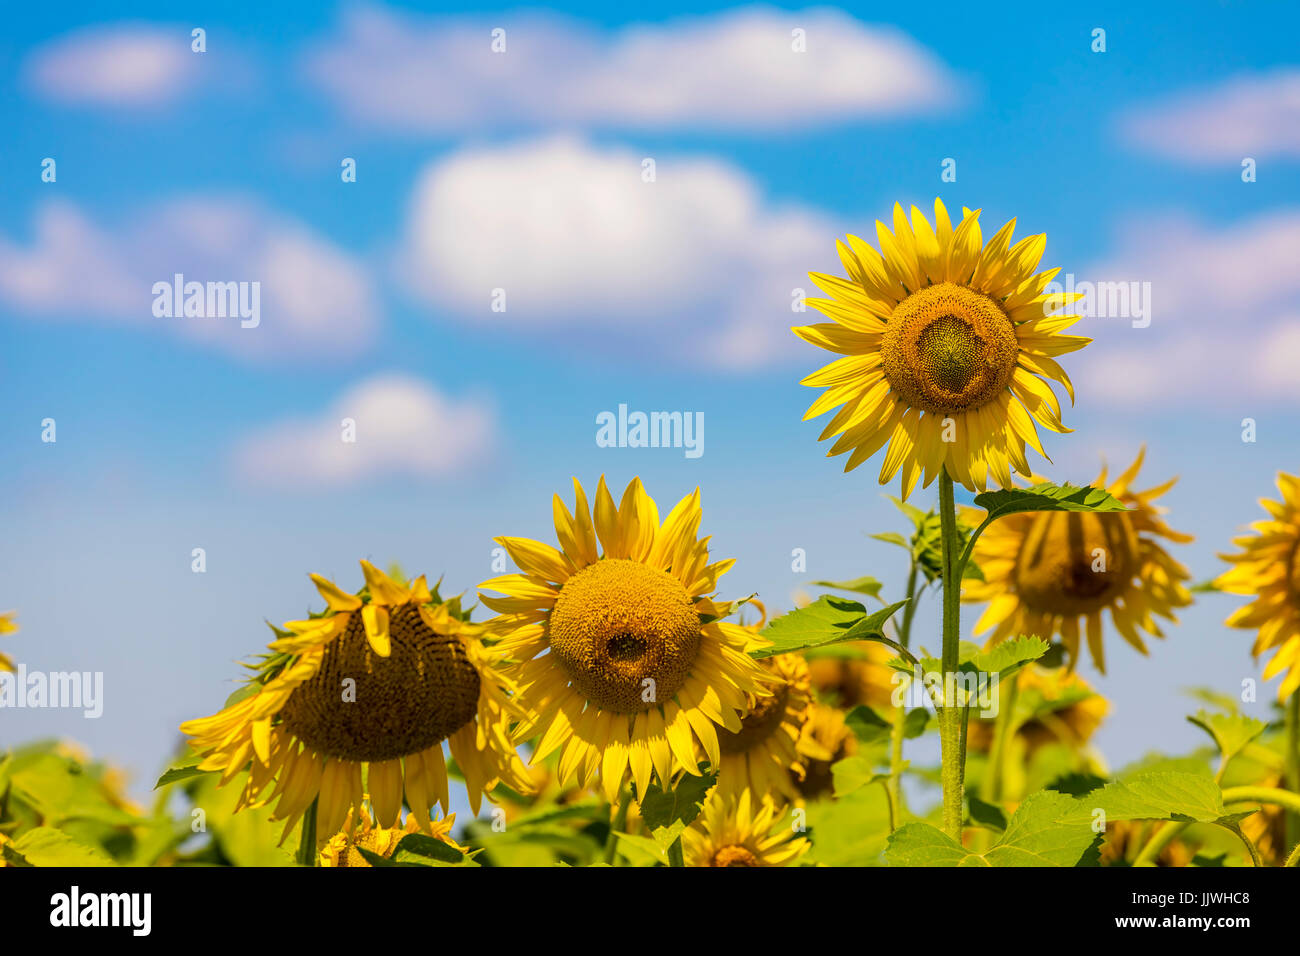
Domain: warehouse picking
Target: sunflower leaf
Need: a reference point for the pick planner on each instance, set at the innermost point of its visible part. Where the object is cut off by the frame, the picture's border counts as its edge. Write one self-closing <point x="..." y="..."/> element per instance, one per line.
<point x="417" y="847"/>
<point x="1042" y="832"/>
<point x="1047" y="497"/>
<point x="46" y="846"/>
<point x="189" y="767"/>
<point x="854" y="773"/>
<point x="1010" y="656"/>
<point x="668" y="813"/>
<point x="828" y="620"/>
<point x="1231" y="732"/>
<point x="1161" y="795"/>
<point x="864" y="585"/>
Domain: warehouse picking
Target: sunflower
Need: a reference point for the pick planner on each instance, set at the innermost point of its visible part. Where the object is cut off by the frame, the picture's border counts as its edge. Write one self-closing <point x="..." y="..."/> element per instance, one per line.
<point x="824" y="739"/>
<point x="731" y="833"/>
<point x="946" y="344"/>
<point x="377" y="681"/>
<point x="621" y="653"/>
<point x="1268" y="568"/>
<point x="7" y="626"/>
<point x="854" y="674"/>
<point x="343" y="848"/>
<point x="763" y="755"/>
<point x="1052" y="706"/>
<point x="1056" y="572"/>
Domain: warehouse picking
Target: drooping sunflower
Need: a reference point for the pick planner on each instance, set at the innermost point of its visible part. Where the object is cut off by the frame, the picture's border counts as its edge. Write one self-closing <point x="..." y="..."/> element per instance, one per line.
<point x="946" y="344"/>
<point x="1056" y="573"/>
<point x="343" y="848"/>
<point x="7" y="626"/>
<point x="824" y="739"/>
<point x="621" y="651"/>
<point x="763" y="756"/>
<point x="734" y="833"/>
<point x="376" y="682"/>
<point x="1268" y="568"/>
<point x="855" y="673"/>
<point x="1052" y="706"/>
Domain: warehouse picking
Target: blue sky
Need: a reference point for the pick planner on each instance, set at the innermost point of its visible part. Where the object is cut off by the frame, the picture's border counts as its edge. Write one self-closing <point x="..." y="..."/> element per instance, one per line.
<point x="474" y="173"/>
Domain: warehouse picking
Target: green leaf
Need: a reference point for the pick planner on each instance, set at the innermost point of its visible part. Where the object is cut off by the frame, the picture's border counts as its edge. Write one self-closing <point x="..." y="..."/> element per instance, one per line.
<point x="893" y="537"/>
<point x="867" y="725"/>
<point x="668" y="814"/>
<point x="849" y="831"/>
<point x="640" y="851"/>
<point x="828" y="620"/>
<point x="864" y="585"/>
<point x="920" y="844"/>
<point x="1205" y="587"/>
<point x="184" y="770"/>
<point x="854" y="773"/>
<point x="1039" y="833"/>
<point x="1010" y="656"/>
<point x="424" y="847"/>
<point x="46" y="846"/>
<point x="1163" y="795"/>
<point x="1231" y="732"/>
<point x="986" y="815"/>
<point x="1047" y="497"/>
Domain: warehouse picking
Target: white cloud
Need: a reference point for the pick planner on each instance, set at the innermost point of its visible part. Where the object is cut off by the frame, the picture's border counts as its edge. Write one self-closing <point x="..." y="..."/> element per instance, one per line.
<point x="122" y="65"/>
<point x="316" y="299"/>
<point x="1255" y="115"/>
<point x="1224" y="325"/>
<point x="403" y="426"/>
<point x="692" y="266"/>
<point x="734" y="69"/>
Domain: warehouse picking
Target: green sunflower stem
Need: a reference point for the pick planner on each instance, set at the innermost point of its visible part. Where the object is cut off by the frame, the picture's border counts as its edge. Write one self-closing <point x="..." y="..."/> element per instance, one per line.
<point x="618" y="825"/>
<point x="893" y="784"/>
<point x="1292" y="764"/>
<point x="1003" y="727"/>
<point x="675" y="857"/>
<point x="307" y="838"/>
<point x="1164" y="835"/>
<point x="952" y="718"/>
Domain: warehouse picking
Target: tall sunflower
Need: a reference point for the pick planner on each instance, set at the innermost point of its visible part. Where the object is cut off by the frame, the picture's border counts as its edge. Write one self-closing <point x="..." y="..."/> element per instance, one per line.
<point x="946" y="343"/>
<point x="376" y="682"/>
<point x="763" y="756"/>
<point x="1056" y="572"/>
<point x="1268" y="568"/>
<point x="7" y="626"/>
<point x="620" y="648"/>
<point x="731" y="832"/>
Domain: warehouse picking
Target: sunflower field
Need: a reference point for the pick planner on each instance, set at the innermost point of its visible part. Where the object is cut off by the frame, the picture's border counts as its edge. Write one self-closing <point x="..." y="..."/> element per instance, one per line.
<point x="356" y="361"/>
<point x="615" y="706"/>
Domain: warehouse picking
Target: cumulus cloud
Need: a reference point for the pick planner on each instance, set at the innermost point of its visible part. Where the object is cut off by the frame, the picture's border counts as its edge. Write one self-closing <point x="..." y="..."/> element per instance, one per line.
<point x="1224" y="324"/>
<point x="120" y="65"/>
<point x="399" y="426"/>
<point x="314" y="298"/>
<point x="1253" y="115"/>
<point x="737" y="69"/>
<point x="692" y="266"/>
